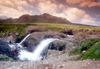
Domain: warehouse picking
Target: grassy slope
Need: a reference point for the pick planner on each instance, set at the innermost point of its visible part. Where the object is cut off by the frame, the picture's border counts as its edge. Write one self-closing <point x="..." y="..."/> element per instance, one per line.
<point x="53" y="26"/>
<point x="59" y="27"/>
<point x="93" y="52"/>
<point x="92" y="48"/>
<point x="20" y="27"/>
<point x="4" y="28"/>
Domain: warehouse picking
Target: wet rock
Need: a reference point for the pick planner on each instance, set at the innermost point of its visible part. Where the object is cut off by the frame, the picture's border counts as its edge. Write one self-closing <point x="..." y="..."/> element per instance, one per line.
<point x="67" y="31"/>
<point x="5" y="49"/>
<point x="48" y="36"/>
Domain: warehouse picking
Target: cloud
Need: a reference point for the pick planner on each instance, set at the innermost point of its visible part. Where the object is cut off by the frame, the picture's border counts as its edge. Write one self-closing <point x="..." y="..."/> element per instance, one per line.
<point x="84" y="3"/>
<point x="97" y="16"/>
<point x="78" y="15"/>
<point x="88" y="20"/>
<point x="47" y="7"/>
<point x="13" y="8"/>
<point x="70" y="13"/>
<point x="11" y="12"/>
<point x="16" y="8"/>
<point x="74" y="14"/>
<point x="14" y="3"/>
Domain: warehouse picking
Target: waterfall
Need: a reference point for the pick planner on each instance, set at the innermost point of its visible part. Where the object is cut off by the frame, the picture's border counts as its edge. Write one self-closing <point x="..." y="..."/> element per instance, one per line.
<point x="36" y="54"/>
<point x="15" y="45"/>
<point x="24" y="39"/>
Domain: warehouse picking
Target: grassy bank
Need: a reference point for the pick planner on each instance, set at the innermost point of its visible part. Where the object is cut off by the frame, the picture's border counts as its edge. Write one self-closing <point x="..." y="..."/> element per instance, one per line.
<point x="89" y="50"/>
<point x="5" y="58"/>
<point x="51" y="26"/>
<point x="20" y="27"/>
<point x="13" y="28"/>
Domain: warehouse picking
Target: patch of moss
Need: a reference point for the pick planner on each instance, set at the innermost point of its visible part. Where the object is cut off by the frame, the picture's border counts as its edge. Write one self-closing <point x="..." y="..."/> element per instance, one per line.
<point x="74" y="51"/>
<point x="5" y="58"/>
<point x="92" y="53"/>
<point x="88" y="44"/>
<point x="13" y="28"/>
<point x="92" y="48"/>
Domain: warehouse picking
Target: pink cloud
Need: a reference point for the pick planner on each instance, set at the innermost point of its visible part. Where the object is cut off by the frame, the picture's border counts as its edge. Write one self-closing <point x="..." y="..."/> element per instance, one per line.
<point x="84" y="3"/>
<point x="16" y="8"/>
<point x="47" y="7"/>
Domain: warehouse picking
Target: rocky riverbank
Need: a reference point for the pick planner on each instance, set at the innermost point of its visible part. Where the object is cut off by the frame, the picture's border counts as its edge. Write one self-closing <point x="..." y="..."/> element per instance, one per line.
<point x="58" y="56"/>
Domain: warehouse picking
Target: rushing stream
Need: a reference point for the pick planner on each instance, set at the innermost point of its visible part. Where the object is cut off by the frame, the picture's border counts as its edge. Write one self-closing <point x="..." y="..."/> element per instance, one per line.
<point x="36" y="54"/>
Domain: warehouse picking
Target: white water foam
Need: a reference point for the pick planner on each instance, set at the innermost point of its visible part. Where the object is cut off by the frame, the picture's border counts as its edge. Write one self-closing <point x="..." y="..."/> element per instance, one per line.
<point x="36" y="54"/>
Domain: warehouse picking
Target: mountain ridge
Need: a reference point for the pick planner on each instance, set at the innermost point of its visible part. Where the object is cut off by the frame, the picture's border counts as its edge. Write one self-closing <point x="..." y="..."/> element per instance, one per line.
<point x="43" y="18"/>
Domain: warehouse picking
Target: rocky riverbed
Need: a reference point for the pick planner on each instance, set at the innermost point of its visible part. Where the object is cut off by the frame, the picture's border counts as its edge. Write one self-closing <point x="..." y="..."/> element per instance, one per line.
<point x="85" y="64"/>
<point x="57" y="57"/>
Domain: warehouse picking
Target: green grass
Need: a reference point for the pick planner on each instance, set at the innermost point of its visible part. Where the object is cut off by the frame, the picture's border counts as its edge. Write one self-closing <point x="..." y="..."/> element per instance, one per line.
<point x="4" y="28"/>
<point x="20" y="27"/>
<point x="92" y="53"/>
<point x="92" y="48"/>
<point x="74" y="51"/>
<point x="52" y="26"/>
<point x="87" y="44"/>
<point x="5" y="58"/>
<point x="59" y="27"/>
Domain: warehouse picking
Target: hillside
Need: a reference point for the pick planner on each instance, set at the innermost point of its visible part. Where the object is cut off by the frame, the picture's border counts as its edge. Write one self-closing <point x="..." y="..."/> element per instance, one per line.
<point x="44" y="18"/>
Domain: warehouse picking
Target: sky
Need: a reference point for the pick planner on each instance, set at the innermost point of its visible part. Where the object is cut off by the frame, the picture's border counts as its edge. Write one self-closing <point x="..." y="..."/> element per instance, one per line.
<point x="76" y="11"/>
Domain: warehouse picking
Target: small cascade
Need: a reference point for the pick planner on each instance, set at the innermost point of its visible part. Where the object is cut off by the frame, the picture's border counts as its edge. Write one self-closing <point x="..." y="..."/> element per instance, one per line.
<point x="36" y="54"/>
<point x="24" y="39"/>
<point x="16" y="45"/>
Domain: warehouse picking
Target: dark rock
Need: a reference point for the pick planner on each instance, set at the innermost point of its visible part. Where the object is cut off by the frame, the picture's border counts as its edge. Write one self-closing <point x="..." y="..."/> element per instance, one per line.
<point x="67" y="31"/>
<point x="34" y="30"/>
<point x="62" y="36"/>
<point x="57" y="45"/>
<point x="48" y="36"/>
<point x="5" y="49"/>
<point x="29" y="45"/>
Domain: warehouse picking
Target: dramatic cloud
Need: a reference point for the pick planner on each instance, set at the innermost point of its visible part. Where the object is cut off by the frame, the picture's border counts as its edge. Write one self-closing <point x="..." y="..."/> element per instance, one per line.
<point x="10" y="12"/>
<point x="76" y="14"/>
<point x="88" y="20"/>
<point x="47" y="7"/>
<point x="13" y="8"/>
<point x="84" y="3"/>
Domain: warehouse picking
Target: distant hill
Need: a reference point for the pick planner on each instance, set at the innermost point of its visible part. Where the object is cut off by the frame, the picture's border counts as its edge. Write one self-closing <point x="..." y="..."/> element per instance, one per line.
<point x="44" y="18"/>
<point x="3" y="17"/>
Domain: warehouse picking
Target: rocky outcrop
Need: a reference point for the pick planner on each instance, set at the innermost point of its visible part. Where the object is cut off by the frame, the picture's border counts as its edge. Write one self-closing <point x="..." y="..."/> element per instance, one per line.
<point x="44" y="18"/>
<point x="5" y="49"/>
<point x="62" y="44"/>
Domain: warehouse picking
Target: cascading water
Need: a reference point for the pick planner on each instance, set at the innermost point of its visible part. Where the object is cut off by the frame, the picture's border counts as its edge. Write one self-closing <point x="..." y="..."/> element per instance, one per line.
<point x="24" y="39"/>
<point x="36" y="54"/>
<point x="18" y="44"/>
